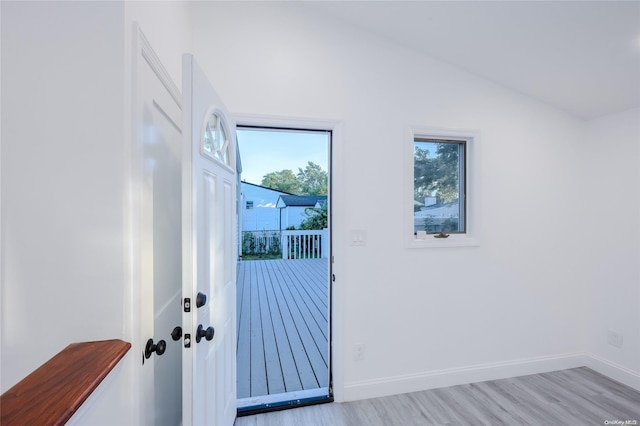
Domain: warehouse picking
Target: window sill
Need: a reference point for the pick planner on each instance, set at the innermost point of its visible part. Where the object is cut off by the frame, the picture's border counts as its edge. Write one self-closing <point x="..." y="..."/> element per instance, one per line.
<point x="454" y="240"/>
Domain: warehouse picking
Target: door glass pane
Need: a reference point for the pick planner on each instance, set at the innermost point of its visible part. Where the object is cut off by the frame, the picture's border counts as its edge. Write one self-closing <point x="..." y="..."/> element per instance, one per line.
<point x="215" y="140"/>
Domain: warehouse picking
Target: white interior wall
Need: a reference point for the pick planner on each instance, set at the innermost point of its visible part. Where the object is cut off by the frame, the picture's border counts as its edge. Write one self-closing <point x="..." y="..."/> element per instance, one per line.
<point x="519" y="296"/>
<point x="62" y="98"/>
<point x="63" y="229"/>
<point x="612" y="178"/>
<point x="66" y="90"/>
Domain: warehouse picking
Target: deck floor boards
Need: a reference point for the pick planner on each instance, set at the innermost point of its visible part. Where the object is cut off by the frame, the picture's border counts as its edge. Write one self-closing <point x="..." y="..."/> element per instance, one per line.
<point x="256" y="338"/>
<point x="243" y="348"/>
<point x="282" y="326"/>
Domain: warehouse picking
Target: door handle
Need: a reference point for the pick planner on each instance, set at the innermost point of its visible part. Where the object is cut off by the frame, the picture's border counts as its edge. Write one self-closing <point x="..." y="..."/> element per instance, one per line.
<point x="201" y="300"/>
<point x="158" y="348"/>
<point x="207" y="334"/>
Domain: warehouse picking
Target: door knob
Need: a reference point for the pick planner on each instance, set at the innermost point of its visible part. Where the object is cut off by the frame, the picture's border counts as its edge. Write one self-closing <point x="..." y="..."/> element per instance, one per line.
<point x="207" y="334"/>
<point x="158" y="348"/>
<point x="176" y="334"/>
<point x="201" y="300"/>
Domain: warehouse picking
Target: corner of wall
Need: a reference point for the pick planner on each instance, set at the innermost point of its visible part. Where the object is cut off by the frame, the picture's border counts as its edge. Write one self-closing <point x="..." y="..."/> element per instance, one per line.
<point x="612" y="148"/>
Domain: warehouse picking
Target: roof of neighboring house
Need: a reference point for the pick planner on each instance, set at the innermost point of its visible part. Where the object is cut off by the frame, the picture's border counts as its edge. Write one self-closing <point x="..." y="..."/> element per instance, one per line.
<point x="265" y="187"/>
<point x="299" y="200"/>
<point x="439" y="210"/>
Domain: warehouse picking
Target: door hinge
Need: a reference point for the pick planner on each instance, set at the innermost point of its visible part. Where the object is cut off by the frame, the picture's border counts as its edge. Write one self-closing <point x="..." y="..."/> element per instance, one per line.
<point x="333" y="277"/>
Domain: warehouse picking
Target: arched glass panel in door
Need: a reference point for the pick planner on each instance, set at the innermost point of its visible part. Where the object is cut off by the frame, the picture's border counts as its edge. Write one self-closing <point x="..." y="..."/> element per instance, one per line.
<point x="216" y="142"/>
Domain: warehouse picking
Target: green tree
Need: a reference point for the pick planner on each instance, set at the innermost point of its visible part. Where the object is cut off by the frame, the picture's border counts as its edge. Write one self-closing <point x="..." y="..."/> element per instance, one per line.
<point x="425" y="172"/>
<point x="284" y="181"/>
<point x="436" y="174"/>
<point x="313" y="180"/>
<point x="448" y="171"/>
<point x="317" y="218"/>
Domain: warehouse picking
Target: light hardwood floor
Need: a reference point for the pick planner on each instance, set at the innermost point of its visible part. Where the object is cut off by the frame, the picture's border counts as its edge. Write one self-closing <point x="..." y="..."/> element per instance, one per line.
<point x="577" y="396"/>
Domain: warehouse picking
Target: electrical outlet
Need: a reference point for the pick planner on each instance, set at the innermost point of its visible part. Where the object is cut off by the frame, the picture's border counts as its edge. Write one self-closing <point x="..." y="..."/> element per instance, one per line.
<point x="358" y="352"/>
<point x="615" y="339"/>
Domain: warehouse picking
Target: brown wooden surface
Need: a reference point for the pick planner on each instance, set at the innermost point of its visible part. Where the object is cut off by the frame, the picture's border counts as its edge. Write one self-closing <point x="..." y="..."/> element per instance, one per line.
<point x="55" y="391"/>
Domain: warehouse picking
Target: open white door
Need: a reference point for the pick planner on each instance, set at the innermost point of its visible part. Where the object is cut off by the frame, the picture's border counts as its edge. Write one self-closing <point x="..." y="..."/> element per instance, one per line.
<point x="208" y="253"/>
<point x="156" y="234"/>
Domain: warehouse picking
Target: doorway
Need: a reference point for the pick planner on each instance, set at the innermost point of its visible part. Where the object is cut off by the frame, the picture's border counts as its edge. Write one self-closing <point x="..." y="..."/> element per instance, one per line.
<point x="283" y="289"/>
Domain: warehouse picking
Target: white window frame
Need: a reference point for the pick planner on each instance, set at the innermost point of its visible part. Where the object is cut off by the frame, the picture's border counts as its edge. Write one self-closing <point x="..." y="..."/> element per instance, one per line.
<point x="470" y="237"/>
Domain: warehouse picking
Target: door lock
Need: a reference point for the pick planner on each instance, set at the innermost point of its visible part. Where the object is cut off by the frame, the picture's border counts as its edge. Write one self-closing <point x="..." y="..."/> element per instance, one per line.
<point x="158" y="348"/>
<point x="207" y="334"/>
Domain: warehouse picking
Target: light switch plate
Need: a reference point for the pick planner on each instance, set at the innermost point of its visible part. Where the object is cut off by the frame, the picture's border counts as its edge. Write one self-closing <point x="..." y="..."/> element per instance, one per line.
<point x="358" y="237"/>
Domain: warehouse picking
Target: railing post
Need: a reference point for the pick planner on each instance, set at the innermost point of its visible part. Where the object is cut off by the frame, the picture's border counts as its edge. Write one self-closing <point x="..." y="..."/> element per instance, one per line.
<point x="324" y="241"/>
<point x="299" y="244"/>
<point x="285" y="245"/>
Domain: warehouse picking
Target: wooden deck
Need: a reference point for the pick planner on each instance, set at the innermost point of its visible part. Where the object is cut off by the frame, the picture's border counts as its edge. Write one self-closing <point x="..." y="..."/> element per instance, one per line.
<point x="282" y="323"/>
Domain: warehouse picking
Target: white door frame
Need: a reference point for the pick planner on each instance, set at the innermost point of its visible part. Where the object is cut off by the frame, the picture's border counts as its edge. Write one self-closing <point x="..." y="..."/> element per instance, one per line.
<point x="338" y="228"/>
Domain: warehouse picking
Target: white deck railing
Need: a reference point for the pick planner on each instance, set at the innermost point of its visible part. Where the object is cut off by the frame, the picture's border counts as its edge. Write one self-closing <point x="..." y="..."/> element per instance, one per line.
<point x="305" y="244"/>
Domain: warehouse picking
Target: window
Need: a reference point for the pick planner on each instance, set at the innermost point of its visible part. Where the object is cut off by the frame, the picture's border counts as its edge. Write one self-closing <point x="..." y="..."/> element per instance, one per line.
<point x="438" y="185"/>
<point x="249" y="205"/>
<point x="439" y="199"/>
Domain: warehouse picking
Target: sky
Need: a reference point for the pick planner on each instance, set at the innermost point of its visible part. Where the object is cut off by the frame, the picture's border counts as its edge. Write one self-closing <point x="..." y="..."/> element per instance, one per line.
<point x="264" y="151"/>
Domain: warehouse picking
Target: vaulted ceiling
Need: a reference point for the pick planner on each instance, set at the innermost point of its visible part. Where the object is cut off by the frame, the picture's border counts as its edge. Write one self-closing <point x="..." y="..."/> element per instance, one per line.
<point x="580" y="56"/>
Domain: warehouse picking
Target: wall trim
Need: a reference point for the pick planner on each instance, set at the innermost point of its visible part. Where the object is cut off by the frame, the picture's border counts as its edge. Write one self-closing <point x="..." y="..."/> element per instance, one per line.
<point x="614" y="371"/>
<point x="492" y="371"/>
<point x="461" y="375"/>
<point x="150" y="56"/>
<point x="284" y="121"/>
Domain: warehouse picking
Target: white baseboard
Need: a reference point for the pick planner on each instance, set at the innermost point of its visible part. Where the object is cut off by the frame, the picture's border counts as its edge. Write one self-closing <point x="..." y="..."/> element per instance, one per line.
<point x="614" y="371"/>
<point x="459" y="376"/>
<point x="494" y="371"/>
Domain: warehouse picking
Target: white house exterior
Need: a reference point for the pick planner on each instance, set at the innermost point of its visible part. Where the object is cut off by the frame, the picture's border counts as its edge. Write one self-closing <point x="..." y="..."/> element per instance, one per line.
<point x="258" y="207"/>
<point x="266" y="209"/>
<point x="292" y="208"/>
<point x="438" y="212"/>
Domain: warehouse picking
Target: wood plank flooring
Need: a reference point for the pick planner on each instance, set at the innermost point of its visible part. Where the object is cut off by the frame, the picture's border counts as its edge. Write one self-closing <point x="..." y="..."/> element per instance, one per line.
<point x="282" y="326"/>
<point x="578" y="396"/>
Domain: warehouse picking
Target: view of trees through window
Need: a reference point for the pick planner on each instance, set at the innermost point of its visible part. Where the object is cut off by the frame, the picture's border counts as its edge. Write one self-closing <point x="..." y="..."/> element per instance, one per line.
<point x="311" y="180"/>
<point x="439" y="182"/>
